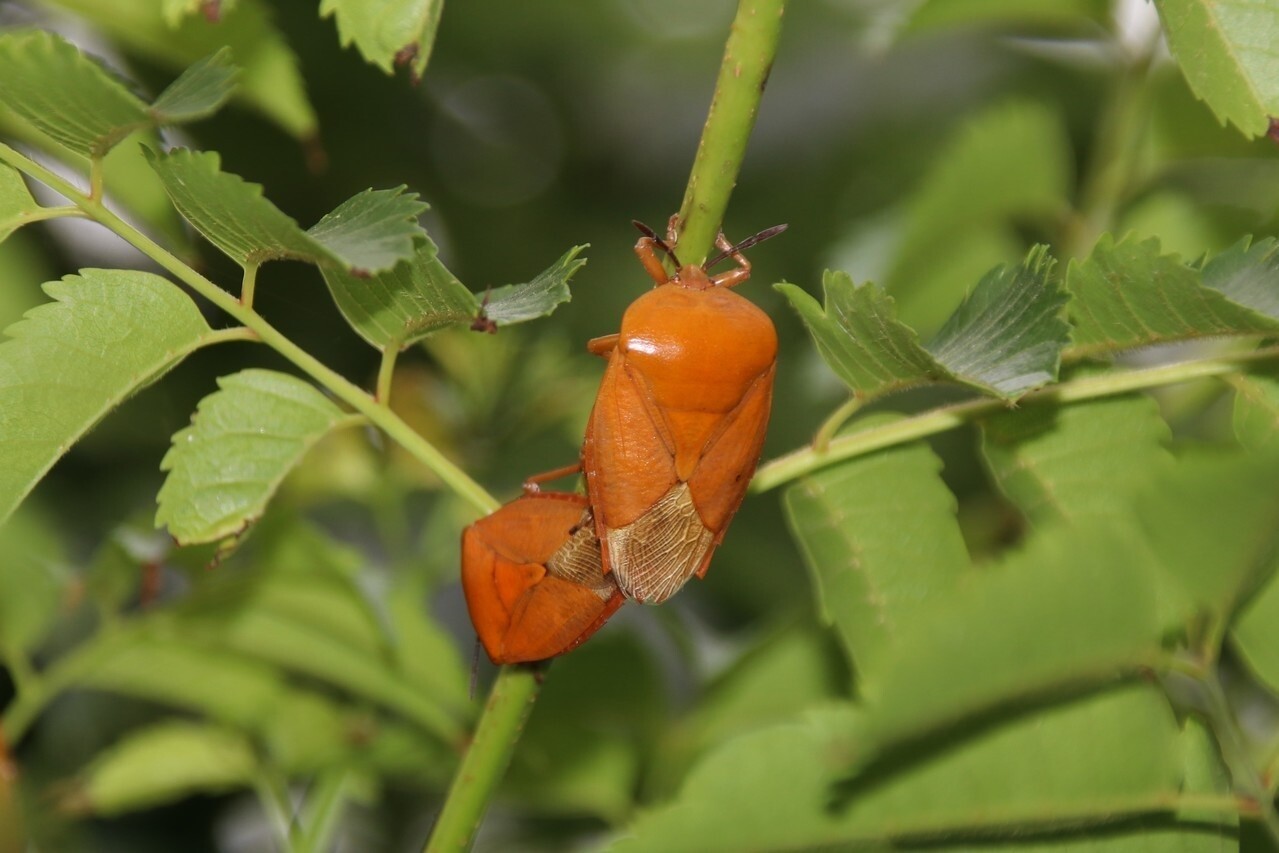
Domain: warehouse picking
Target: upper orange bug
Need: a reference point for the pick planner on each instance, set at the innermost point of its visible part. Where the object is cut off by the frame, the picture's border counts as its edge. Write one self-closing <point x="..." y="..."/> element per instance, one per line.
<point x="679" y="421"/>
<point x="532" y="577"/>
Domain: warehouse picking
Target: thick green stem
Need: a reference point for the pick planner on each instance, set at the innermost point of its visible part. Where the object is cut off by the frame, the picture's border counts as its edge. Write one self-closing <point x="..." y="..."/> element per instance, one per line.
<point x="809" y="459"/>
<point x="355" y="397"/>
<point x="509" y="704"/>
<point x="748" y="57"/>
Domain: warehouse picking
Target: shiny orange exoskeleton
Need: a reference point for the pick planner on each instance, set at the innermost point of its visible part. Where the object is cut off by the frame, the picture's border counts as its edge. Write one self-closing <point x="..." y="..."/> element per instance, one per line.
<point x="679" y="421"/>
<point x="533" y="580"/>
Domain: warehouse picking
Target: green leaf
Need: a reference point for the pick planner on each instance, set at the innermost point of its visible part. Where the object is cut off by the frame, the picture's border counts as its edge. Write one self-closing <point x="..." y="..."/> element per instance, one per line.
<point x="1255" y="634"/>
<point x="177" y="10"/>
<point x="1128" y="295"/>
<point x="373" y="230"/>
<point x="1112" y="754"/>
<point x="199" y="92"/>
<point x="1225" y="49"/>
<point x="376" y="227"/>
<point x="859" y="336"/>
<point x="518" y="303"/>
<point x="33" y="582"/>
<point x="66" y="95"/>
<point x="425" y="651"/>
<point x="163" y="763"/>
<point x="1077" y="606"/>
<point x="304" y="647"/>
<point x="581" y="751"/>
<point x="1212" y="524"/>
<point x="405" y="304"/>
<point x="1256" y="413"/>
<point x="68" y="363"/>
<point x="792" y="670"/>
<point x="1248" y="274"/>
<point x="156" y="665"/>
<point x="1010" y="163"/>
<point x="880" y="539"/>
<point x="16" y="203"/>
<point x="242" y="441"/>
<point x="1005" y="339"/>
<point x="1073" y="462"/>
<point x="388" y="33"/>
<point x="303" y="574"/>
<point x="271" y="82"/>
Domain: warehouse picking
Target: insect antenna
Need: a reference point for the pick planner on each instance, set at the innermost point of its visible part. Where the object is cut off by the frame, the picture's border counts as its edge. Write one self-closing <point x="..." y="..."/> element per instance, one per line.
<point x="661" y="244"/>
<point x="753" y="240"/>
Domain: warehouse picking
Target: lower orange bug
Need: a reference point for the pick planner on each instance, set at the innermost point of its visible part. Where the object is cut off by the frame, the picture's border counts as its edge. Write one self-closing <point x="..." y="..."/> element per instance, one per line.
<point x="532" y="577"/>
<point x="679" y="421"/>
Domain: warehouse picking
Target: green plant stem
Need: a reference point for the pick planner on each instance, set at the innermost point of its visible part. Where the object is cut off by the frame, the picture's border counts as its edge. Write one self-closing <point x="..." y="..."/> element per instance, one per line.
<point x="386" y="372"/>
<point x="248" y="286"/>
<point x="39" y="215"/>
<point x="273" y="795"/>
<point x="380" y="415"/>
<point x="324" y="804"/>
<point x="807" y="460"/>
<point x="509" y="704"/>
<point x="837" y="418"/>
<point x="748" y="57"/>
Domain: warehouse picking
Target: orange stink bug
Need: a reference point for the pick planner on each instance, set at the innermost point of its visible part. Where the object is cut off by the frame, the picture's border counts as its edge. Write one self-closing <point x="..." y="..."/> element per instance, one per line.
<point x="532" y="576"/>
<point x="678" y="424"/>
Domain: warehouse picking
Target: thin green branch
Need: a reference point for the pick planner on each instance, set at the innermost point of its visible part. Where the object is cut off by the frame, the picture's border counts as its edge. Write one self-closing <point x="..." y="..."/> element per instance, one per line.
<point x="837" y="418"/>
<point x="95" y="178"/>
<point x="234" y="333"/>
<point x="381" y="416"/>
<point x="386" y="372"/>
<point x="807" y="460"/>
<point x="62" y="211"/>
<point x="509" y="704"/>
<point x="249" y="284"/>
<point x="748" y="57"/>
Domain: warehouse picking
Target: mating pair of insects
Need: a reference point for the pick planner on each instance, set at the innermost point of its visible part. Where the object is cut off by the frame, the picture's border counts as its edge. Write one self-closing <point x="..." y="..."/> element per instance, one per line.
<point x="672" y="441"/>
